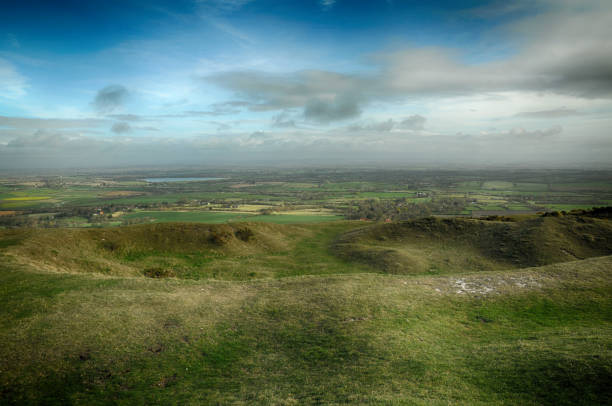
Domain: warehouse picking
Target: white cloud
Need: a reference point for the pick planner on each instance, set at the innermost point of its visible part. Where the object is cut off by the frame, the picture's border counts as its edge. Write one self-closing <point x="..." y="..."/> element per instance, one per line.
<point x="376" y="142"/>
<point x="222" y="6"/>
<point x="327" y="4"/>
<point x="12" y="84"/>
<point x="564" y="51"/>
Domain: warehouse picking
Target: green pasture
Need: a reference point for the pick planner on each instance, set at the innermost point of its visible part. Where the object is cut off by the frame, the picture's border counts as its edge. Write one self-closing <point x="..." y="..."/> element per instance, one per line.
<point x="294" y="218"/>
<point x="215" y="217"/>
<point x="212" y="217"/>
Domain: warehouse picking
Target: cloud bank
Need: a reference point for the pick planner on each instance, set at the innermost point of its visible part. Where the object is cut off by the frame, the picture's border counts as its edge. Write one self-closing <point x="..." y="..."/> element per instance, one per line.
<point x="565" y="51"/>
<point x="543" y="98"/>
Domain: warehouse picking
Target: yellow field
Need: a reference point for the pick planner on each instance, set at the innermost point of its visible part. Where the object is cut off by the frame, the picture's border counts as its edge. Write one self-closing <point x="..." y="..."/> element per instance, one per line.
<point x="311" y="212"/>
<point x="24" y="198"/>
<point x="250" y="208"/>
<point x="122" y="193"/>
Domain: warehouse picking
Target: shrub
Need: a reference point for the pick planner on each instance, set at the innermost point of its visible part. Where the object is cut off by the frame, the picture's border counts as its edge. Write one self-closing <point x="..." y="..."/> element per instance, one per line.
<point x="244" y="234"/>
<point x="159" y="273"/>
<point x="220" y="237"/>
<point x="109" y="245"/>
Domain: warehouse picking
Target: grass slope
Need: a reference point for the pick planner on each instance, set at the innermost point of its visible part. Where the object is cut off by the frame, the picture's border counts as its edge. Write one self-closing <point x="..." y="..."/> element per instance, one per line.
<point x="77" y="327"/>
<point x="457" y="245"/>
<point x="538" y="336"/>
<point x="184" y="250"/>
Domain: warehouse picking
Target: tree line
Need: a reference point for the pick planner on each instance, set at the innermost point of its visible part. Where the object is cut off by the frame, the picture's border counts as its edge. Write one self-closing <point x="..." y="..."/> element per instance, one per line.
<point x="402" y="209"/>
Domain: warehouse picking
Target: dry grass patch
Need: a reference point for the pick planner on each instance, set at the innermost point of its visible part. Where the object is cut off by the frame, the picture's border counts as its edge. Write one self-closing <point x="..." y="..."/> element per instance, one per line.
<point x="122" y="193"/>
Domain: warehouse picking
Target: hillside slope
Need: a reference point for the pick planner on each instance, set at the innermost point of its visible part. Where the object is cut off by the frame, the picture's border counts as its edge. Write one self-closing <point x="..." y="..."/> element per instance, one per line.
<point x="236" y="251"/>
<point x="156" y="250"/>
<point x="462" y="245"/>
<point x="537" y="336"/>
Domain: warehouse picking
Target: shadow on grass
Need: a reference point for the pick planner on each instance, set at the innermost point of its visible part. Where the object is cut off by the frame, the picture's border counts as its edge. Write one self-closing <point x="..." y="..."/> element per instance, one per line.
<point x="314" y="350"/>
<point x="548" y="379"/>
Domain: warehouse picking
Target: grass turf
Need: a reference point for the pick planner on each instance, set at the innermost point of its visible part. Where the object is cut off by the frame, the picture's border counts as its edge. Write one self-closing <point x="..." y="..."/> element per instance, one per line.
<point x="365" y="338"/>
<point x="310" y="328"/>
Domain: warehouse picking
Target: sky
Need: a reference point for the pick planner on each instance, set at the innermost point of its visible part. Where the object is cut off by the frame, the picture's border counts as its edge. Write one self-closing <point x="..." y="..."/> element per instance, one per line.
<point x="322" y="82"/>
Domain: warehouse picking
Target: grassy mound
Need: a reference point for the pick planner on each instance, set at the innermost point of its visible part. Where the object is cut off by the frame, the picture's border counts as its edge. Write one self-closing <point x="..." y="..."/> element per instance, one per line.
<point x="153" y="250"/>
<point x="236" y="251"/>
<point x="464" y="245"/>
<point x="530" y="336"/>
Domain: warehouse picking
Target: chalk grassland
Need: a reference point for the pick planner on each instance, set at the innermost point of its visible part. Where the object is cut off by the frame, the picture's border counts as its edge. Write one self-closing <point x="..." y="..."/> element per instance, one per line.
<point x="435" y="246"/>
<point x="258" y="249"/>
<point x="195" y="251"/>
<point x="426" y="312"/>
<point x="537" y="336"/>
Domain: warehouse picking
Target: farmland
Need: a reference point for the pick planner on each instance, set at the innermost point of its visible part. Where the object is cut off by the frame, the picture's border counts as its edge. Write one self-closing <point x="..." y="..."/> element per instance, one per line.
<point x="296" y="196"/>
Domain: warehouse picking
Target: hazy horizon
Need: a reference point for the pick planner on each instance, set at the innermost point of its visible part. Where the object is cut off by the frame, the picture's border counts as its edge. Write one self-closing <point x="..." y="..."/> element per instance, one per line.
<point x="309" y="83"/>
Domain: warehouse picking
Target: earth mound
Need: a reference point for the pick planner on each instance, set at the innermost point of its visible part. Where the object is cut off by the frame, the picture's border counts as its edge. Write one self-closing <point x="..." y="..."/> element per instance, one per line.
<point x="434" y="245"/>
<point x="153" y="250"/>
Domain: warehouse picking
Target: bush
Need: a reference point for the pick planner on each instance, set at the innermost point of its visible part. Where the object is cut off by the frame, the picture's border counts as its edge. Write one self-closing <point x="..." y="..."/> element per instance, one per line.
<point x="109" y="245"/>
<point x="220" y="237"/>
<point x="159" y="273"/>
<point x="498" y="218"/>
<point x="244" y="234"/>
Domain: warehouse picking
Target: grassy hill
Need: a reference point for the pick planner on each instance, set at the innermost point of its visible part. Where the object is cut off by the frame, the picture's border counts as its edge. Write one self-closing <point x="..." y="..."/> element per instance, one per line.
<point x="300" y="315"/>
<point x="256" y="250"/>
<point x="433" y="245"/>
<point x="183" y="250"/>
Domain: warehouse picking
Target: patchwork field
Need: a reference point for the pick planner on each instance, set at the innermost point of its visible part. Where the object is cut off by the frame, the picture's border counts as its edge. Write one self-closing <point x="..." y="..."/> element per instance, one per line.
<point x="331" y="190"/>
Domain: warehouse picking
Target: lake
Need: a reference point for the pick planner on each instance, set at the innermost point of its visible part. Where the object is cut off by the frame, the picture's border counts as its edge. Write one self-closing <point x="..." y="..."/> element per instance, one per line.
<point x="159" y="180"/>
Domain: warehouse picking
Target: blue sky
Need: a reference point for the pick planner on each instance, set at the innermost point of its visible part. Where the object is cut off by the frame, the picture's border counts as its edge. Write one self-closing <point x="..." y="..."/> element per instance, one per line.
<point x="119" y="83"/>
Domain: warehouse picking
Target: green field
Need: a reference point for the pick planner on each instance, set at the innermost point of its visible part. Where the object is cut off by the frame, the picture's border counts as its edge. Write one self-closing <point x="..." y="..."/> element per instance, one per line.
<point x="567" y="207"/>
<point x="211" y="217"/>
<point x="294" y="218"/>
<point x="385" y="195"/>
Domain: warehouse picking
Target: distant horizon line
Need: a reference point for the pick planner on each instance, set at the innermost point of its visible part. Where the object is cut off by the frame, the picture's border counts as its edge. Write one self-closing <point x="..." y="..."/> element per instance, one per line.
<point x="216" y="168"/>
